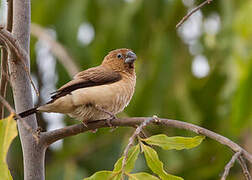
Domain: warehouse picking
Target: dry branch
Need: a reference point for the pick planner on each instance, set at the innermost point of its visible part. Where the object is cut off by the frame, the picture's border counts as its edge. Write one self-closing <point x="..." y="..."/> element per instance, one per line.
<point x="244" y="168"/>
<point x="192" y="12"/>
<point x="11" y="110"/>
<point x="230" y="164"/>
<point x="3" y="83"/>
<point x="4" y="57"/>
<point x="7" y="105"/>
<point x="13" y="46"/>
<point x="133" y="137"/>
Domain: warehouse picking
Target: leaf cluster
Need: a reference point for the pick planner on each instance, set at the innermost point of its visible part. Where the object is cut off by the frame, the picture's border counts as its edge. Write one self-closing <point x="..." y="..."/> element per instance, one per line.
<point x="151" y="157"/>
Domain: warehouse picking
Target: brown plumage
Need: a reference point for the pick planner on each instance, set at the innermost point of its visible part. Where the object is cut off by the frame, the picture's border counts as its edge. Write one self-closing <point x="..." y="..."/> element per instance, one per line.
<point x="98" y="92"/>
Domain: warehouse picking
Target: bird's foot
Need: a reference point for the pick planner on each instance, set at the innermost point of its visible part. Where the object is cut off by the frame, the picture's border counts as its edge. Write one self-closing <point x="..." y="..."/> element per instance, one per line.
<point x="108" y="121"/>
<point x="112" y="116"/>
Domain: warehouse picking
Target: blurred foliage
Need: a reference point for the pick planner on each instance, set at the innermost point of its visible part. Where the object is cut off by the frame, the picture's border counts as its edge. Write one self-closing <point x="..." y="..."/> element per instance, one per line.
<point x="166" y="86"/>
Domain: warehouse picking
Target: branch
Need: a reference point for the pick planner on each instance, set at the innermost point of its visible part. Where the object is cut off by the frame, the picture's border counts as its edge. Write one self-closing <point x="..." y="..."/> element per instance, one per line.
<point x="244" y="168"/>
<point x="27" y="126"/>
<point x="56" y="48"/>
<point x="192" y="12"/>
<point x="52" y="136"/>
<point x="3" y="83"/>
<point x="132" y="138"/>
<point x="4" y="57"/>
<point x="230" y="164"/>
<point x="13" y="46"/>
<point x="12" y="43"/>
<point x="7" y="105"/>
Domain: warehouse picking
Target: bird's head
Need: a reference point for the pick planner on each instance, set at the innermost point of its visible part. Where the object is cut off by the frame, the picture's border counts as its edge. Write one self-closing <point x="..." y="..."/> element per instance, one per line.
<point x="120" y="60"/>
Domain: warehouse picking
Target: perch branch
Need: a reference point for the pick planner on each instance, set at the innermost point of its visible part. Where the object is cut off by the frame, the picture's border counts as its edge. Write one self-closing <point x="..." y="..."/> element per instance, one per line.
<point x="192" y="12"/>
<point x="52" y="136"/>
<point x="56" y="48"/>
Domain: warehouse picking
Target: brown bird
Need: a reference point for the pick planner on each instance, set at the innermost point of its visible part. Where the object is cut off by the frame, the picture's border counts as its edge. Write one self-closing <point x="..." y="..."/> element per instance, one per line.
<point x="96" y="93"/>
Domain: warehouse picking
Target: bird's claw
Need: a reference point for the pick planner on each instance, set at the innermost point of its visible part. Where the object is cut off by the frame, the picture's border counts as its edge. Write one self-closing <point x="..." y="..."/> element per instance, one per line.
<point x="108" y="121"/>
<point x="112" y="116"/>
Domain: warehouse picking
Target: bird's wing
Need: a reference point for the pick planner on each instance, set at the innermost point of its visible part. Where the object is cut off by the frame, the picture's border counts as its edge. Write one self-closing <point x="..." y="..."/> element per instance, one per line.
<point x="91" y="77"/>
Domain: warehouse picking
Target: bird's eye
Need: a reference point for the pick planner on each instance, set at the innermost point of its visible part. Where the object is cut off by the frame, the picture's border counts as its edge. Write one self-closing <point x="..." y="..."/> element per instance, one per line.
<point x="119" y="56"/>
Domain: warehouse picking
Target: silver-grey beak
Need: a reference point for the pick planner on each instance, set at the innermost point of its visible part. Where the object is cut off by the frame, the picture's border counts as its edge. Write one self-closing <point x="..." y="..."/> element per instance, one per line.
<point x="130" y="57"/>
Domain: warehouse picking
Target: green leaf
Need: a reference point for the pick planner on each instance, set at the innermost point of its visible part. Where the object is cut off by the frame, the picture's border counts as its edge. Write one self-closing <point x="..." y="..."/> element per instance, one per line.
<point x="104" y="175"/>
<point x="130" y="162"/>
<point x="155" y="164"/>
<point x="116" y="174"/>
<point x="142" y="175"/>
<point x="8" y="131"/>
<point x="118" y="164"/>
<point x="177" y="143"/>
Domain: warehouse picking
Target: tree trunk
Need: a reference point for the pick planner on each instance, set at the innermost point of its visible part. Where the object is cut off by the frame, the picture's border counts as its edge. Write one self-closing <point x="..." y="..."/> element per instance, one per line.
<point x="33" y="153"/>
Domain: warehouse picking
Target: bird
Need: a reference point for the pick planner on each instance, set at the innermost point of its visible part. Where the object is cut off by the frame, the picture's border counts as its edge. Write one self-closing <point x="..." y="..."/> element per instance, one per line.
<point x="96" y="93"/>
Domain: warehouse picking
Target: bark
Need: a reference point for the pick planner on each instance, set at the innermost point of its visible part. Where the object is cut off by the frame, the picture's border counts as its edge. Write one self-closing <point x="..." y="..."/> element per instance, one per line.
<point x="33" y="152"/>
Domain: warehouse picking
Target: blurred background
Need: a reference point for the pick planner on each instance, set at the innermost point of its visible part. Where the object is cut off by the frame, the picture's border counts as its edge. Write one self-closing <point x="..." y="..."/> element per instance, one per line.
<point x="200" y="73"/>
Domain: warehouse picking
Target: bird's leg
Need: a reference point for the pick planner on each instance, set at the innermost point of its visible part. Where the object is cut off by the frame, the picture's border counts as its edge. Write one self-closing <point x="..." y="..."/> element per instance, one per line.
<point x="112" y="116"/>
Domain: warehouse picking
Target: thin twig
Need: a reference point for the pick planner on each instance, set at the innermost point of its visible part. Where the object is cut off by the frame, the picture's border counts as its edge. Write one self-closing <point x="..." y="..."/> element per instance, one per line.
<point x="7" y="105"/>
<point x="11" y="110"/>
<point x="3" y="83"/>
<point x="230" y="164"/>
<point x="244" y="168"/>
<point x="192" y="11"/>
<point x="13" y="45"/>
<point x="4" y="57"/>
<point x="132" y="138"/>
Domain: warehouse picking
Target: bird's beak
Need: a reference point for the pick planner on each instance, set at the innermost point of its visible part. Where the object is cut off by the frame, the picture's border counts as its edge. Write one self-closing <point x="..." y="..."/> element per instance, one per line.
<point x="130" y="57"/>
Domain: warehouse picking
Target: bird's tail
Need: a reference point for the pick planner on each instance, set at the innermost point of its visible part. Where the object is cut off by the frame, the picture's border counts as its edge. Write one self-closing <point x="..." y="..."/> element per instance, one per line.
<point x="28" y="112"/>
